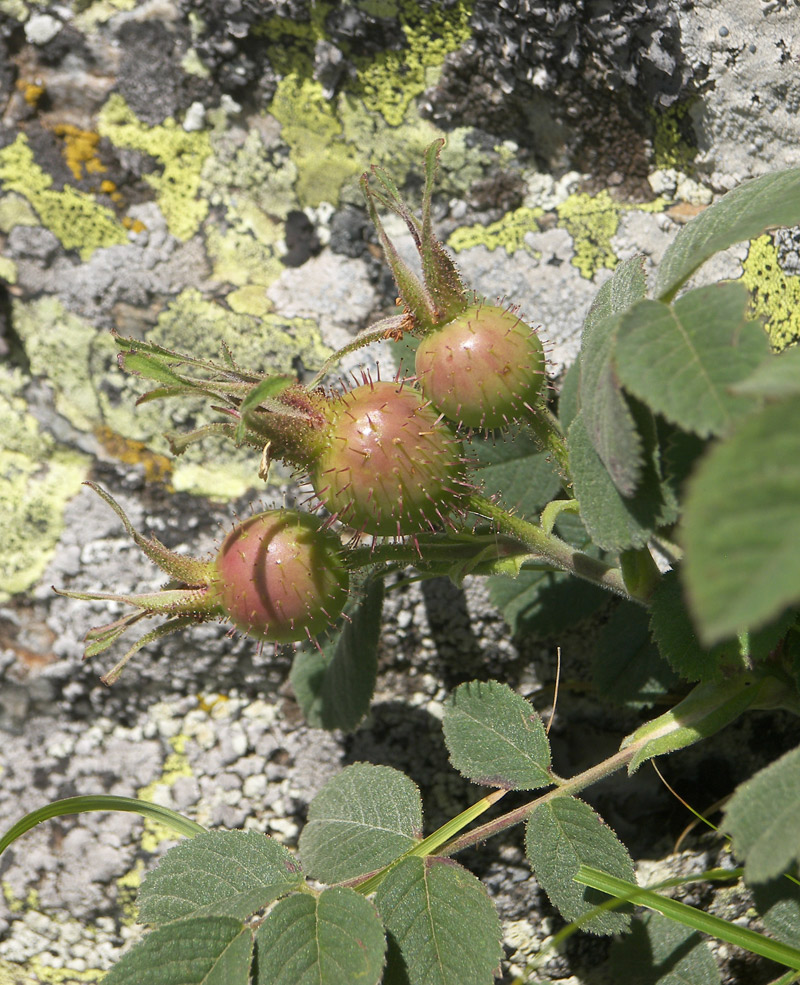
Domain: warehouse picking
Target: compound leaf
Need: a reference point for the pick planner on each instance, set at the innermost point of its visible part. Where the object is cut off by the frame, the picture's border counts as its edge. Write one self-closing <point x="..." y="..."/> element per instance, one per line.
<point x="660" y="951"/>
<point x="197" y="951"/>
<point x="761" y="818"/>
<point x="561" y="835"/>
<point x="681" y="359"/>
<point x="334" y="684"/>
<point x="442" y="925"/>
<point x="744" y="213"/>
<point x="219" y="873"/>
<point x="495" y="737"/>
<point x="361" y="820"/>
<point x="742" y="525"/>
<point x="335" y="938"/>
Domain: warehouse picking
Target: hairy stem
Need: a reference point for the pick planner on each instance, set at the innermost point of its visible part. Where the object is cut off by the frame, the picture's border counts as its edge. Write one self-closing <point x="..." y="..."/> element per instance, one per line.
<point x="547" y="433"/>
<point x="565" y="788"/>
<point x="551" y="548"/>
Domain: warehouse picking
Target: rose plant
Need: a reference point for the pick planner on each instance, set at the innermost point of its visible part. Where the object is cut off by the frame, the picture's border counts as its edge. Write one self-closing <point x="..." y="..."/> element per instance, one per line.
<point x="668" y="475"/>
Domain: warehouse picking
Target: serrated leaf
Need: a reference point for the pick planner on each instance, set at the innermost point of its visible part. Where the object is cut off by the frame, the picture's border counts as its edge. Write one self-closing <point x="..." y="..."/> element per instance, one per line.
<point x="442" y="923"/>
<point x="198" y="951"/>
<point x="776" y="378"/>
<point x="334" y="685"/>
<point x="219" y="873"/>
<point x="627" y="286"/>
<point x="544" y="602"/>
<point x="681" y="359"/>
<point x="335" y="938"/>
<point x="361" y="820"/>
<point x="761" y="818"/>
<point x="627" y="667"/>
<point x="742" y="525"/>
<point x="514" y="467"/>
<point x="569" y="398"/>
<point x="613" y="521"/>
<point x="744" y="213"/>
<point x="606" y="415"/>
<point x="611" y="426"/>
<point x="495" y="737"/>
<point x="561" y="835"/>
<point x="659" y="951"/>
<point x="778" y="904"/>
<point x="677" y="640"/>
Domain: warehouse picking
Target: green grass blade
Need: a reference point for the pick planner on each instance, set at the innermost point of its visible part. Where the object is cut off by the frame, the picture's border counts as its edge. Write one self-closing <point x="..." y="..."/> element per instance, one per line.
<point x="101" y="802"/>
<point x="691" y="917"/>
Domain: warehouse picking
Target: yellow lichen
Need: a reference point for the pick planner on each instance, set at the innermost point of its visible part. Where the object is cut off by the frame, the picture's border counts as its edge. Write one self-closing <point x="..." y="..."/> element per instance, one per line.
<point x="323" y="158"/>
<point x="74" y="217"/>
<point x="508" y="232"/>
<point x="591" y="220"/>
<point x="775" y="294"/>
<point x="175" y="765"/>
<point x="181" y="155"/>
<point x="670" y="148"/>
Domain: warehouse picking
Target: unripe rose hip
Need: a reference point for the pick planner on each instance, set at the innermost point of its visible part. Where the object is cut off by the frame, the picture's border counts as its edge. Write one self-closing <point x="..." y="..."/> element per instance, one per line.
<point x="388" y="464"/>
<point x="278" y="576"/>
<point x="484" y="368"/>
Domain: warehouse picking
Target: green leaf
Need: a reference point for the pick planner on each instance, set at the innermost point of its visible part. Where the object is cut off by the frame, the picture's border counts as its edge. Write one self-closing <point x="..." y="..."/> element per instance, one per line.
<point x="219" y="873"/>
<point x="544" y="602"/>
<point x="443" y="927"/>
<point x="777" y="378"/>
<point x="361" y="820"/>
<point x="762" y="819"/>
<point x="627" y="667"/>
<point x="266" y="390"/>
<point x="335" y="938"/>
<point x="613" y="521"/>
<point x="524" y="476"/>
<point x="199" y="951"/>
<point x="778" y="903"/>
<point x="658" y="951"/>
<point x="742" y="525"/>
<point x="627" y="286"/>
<point x="744" y="213"/>
<point x="705" y="710"/>
<point x="609" y="421"/>
<point x="334" y="685"/>
<point x="605" y="411"/>
<point x="495" y="737"/>
<point x="681" y="360"/>
<point x="561" y="835"/>
<point x="677" y="640"/>
<point x="101" y="802"/>
<point x="569" y="398"/>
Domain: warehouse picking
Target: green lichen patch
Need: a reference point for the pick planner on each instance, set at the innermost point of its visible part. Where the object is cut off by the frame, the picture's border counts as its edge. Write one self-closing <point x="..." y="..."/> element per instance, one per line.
<point x="85" y="355"/>
<point x="324" y="159"/>
<point x="389" y="83"/>
<point x="775" y="294"/>
<point x="508" y="232"/>
<point x="15" y="211"/>
<point x="8" y="270"/>
<point x="73" y="216"/>
<point x="672" y="147"/>
<point x="181" y="154"/>
<point x="591" y="220"/>
<point x="38" y="477"/>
